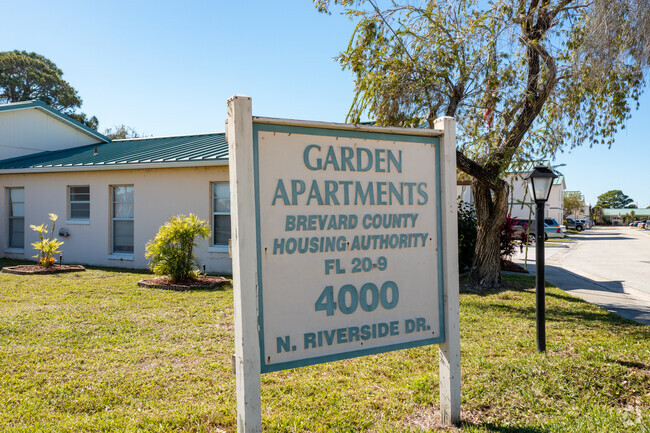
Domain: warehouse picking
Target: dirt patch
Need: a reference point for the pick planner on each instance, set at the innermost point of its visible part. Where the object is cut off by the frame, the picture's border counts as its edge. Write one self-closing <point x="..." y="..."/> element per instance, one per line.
<point x="205" y="282"/>
<point x="428" y="419"/>
<point x="507" y="265"/>
<point x="38" y="270"/>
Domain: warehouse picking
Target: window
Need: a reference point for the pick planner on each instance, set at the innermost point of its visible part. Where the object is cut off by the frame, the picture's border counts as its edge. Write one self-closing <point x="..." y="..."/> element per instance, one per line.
<point x="122" y="218"/>
<point x="79" y="203"/>
<point x="220" y="213"/>
<point x="16" y="203"/>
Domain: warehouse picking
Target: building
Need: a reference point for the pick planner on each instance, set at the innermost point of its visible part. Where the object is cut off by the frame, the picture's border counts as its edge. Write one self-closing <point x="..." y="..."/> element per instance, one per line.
<point x="520" y="202"/>
<point x="615" y="216"/>
<point x="111" y="196"/>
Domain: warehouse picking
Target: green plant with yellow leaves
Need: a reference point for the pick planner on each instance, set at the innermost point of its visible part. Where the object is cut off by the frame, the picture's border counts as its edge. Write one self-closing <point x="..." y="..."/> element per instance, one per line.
<point x="172" y="250"/>
<point x="46" y="246"/>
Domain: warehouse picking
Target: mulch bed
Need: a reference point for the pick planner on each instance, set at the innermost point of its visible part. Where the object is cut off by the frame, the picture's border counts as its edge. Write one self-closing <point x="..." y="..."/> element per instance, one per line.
<point x="205" y="282"/>
<point x="507" y="265"/>
<point x="39" y="270"/>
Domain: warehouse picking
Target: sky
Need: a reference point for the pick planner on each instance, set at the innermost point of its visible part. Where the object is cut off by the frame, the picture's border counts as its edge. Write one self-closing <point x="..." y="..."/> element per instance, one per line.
<point x="168" y="68"/>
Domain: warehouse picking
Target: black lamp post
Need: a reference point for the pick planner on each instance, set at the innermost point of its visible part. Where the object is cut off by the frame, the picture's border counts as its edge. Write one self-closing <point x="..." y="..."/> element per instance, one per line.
<point x="540" y="181"/>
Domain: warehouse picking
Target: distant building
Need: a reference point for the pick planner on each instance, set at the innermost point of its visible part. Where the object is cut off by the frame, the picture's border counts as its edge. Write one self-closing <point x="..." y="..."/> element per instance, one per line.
<point x="520" y="204"/>
<point x="615" y="216"/>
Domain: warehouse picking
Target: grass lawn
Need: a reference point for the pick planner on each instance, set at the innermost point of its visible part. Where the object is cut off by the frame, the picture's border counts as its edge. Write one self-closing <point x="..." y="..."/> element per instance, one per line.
<point x="91" y="351"/>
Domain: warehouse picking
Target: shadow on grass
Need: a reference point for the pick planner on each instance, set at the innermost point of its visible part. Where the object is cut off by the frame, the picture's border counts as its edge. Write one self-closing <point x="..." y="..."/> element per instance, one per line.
<point x="632" y="364"/>
<point x="566" y="315"/>
<point x="219" y="288"/>
<point x="620" y="316"/>
<point x="13" y="262"/>
<point x="502" y="429"/>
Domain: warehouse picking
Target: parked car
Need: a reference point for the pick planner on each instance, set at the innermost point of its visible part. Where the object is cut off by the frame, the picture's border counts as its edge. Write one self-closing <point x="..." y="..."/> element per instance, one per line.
<point x="587" y="223"/>
<point x="577" y="225"/>
<point x="549" y="232"/>
<point x="553" y="223"/>
<point x="520" y="230"/>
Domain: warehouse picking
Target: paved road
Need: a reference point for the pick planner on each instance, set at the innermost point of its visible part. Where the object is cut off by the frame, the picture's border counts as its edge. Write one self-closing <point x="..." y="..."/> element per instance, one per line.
<point x="608" y="266"/>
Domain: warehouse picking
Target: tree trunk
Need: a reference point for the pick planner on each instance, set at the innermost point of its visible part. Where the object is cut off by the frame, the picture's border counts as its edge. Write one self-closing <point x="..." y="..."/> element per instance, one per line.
<point x="491" y="212"/>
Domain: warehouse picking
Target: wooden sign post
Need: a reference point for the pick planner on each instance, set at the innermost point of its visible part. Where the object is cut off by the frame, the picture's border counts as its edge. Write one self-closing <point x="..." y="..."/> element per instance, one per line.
<point x="344" y="244"/>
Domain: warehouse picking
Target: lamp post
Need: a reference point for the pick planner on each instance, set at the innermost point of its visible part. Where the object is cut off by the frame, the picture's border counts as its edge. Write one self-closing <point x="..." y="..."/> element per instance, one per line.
<point x="540" y="181"/>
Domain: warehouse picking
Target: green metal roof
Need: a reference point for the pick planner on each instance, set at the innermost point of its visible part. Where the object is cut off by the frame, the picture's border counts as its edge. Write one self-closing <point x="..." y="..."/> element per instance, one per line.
<point x="617" y="212"/>
<point x="40" y="105"/>
<point x="123" y="153"/>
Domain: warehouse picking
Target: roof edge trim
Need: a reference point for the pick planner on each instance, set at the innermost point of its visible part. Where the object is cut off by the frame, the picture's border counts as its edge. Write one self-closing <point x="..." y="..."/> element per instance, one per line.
<point x="117" y="140"/>
<point x="125" y="166"/>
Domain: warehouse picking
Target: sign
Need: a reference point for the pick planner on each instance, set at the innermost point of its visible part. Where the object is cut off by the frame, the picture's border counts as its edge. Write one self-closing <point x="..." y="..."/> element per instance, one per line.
<point x="344" y="243"/>
<point x="348" y="233"/>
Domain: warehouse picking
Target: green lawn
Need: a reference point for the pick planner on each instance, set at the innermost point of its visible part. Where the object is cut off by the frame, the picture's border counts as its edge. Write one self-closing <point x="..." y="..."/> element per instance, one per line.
<point x="91" y="351"/>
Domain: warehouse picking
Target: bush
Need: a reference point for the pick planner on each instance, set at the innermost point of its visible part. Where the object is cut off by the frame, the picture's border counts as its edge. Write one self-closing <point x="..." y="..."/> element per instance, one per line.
<point x="506" y="235"/>
<point x="466" y="235"/>
<point x="172" y="250"/>
<point x="46" y="247"/>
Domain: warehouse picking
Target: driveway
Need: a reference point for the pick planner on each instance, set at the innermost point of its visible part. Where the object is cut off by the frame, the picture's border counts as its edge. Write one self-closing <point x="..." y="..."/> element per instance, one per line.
<point x="607" y="266"/>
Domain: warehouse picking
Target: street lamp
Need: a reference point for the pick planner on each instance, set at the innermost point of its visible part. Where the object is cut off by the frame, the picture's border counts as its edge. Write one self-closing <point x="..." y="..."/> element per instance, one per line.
<point x="540" y="181"/>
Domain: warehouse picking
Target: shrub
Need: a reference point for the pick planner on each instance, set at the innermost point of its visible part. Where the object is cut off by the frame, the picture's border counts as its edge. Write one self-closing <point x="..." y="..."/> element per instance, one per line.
<point x="172" y="249"/>
<point x="506" y="235"/>
<point x="46" y="246"/>
<point x="466" y="235"/>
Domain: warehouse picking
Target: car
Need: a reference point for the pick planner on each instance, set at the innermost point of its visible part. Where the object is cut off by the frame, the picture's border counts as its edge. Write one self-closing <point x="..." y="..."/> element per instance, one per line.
<point x="549" y="231"/>
<point x="520" y="230"/>
<point x="587" y="223"/>
<point x="577" y="225"/>
<point x="553" y="223"/>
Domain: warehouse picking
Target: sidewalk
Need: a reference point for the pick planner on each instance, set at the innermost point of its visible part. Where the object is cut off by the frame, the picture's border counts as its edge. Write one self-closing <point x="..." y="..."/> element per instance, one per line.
<point x="610" y="295"/>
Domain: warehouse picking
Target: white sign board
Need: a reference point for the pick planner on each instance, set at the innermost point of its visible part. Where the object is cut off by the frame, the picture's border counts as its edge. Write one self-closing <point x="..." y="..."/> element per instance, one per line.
<point x="348" y="228"/>
<point x="344" y="244"/>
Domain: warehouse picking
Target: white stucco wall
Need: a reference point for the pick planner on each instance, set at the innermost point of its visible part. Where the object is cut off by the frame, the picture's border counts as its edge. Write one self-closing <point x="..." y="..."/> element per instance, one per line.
<point x="464" y="192"/>
<point x="521" y="205"/>
<point x="27" y="131"/>
<point x="555" y="204"/>
<point x="519" y="201"/>
<point x="158" y="194"/>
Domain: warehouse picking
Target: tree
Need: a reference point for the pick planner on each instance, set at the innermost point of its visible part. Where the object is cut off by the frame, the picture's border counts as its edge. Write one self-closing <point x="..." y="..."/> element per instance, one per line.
<point x="522" y="78"/>
<point x="573" y="203"/>
<point x="91" y="122"/>
<point x="596" y="214"/>
<point x="629" y="217"/>
<point x="122" y="132"/>
<point x="29" y="76"/>
<point x="615" y="199"/>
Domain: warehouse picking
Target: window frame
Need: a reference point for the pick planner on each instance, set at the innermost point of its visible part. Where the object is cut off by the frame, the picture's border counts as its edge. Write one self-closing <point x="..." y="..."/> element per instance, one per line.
<point x="70" y="219"/>
<point x="120" y="255"/>
<point x="10" y="217"/>
<point x="214" y="247"/>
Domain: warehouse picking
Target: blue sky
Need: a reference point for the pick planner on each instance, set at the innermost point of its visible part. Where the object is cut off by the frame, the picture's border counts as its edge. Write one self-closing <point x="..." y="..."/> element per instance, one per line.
<point x="167" y="68"/>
